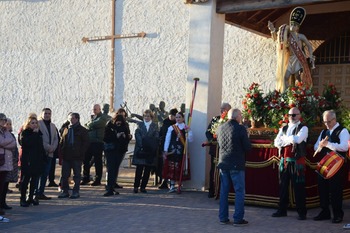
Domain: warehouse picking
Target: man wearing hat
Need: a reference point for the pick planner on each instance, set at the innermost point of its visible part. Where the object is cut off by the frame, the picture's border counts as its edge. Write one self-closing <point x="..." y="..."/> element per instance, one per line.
<point x="291" y="58"/>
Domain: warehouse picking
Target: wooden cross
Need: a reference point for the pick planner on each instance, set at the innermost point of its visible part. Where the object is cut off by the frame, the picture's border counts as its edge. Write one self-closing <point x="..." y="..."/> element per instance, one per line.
<point x="113" y="37"/>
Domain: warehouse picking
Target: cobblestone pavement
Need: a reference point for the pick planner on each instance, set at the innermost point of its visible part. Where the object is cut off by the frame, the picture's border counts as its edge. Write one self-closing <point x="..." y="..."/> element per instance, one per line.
<point x="156" y="211"/>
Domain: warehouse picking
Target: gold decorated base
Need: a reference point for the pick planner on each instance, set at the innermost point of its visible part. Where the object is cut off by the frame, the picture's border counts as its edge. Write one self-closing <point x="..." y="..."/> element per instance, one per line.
<point x="264" y="133"/>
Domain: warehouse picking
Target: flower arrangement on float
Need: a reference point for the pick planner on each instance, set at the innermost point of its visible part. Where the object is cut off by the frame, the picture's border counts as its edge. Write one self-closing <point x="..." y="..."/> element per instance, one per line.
<point x="253" y="103"/>
<point x="273" y="107"/>
<point x="332" y="97"/>
<point x="276" y="108"/>
<point x="223" y="118"/>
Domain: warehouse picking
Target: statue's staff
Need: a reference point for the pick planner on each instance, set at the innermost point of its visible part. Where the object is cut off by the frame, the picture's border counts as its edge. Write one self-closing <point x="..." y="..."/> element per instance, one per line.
<point x="185" y="157"/>
<point x="125" y="107"/>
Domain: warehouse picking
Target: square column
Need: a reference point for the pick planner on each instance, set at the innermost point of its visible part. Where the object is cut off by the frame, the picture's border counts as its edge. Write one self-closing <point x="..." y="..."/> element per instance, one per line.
<point x="205" y="61"/>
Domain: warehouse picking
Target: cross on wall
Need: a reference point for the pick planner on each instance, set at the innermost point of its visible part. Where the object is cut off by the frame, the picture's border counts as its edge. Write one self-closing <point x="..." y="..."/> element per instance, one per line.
<point x="112" y="38"/>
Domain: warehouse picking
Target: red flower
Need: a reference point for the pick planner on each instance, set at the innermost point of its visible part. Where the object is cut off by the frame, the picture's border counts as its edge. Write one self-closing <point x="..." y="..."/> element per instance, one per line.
<point x="223" y="115"/>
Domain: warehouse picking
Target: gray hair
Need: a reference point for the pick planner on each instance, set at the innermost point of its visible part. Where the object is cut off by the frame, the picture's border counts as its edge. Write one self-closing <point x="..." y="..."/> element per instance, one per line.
<point x="331" y="113"/>
<point x="233" y="113"/>
<point x="225" y="105"/>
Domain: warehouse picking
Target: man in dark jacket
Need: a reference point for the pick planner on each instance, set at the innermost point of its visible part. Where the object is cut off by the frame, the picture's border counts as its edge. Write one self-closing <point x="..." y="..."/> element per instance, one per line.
<point x="73" y="144"/>
<point x="96" y="127"/>
<point x="233" y="143"/>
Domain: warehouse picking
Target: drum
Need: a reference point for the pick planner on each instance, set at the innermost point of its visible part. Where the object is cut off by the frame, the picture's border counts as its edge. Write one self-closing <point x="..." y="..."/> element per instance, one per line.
<point x="329" y="165"/>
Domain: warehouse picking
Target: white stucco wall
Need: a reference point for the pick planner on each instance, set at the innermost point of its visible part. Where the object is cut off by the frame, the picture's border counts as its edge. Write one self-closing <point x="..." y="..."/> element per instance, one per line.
<point x="43" y="62"/>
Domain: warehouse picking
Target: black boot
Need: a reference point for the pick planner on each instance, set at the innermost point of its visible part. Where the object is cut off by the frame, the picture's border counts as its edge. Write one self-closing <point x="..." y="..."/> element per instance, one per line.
<point x="164" y="185"/>
<point x="23" y="203"/>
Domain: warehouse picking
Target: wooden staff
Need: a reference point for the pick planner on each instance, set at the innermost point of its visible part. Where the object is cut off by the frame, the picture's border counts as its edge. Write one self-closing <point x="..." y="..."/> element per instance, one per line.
<point x="184" y="164"/>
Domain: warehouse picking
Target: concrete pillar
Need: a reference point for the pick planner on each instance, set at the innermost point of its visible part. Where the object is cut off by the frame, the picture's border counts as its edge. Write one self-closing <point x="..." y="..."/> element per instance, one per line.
<point x="205" y="61"/>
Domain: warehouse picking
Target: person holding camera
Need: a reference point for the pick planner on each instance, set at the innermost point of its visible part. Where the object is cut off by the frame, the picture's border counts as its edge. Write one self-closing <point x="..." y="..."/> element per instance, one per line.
<point x="116" y="138"/>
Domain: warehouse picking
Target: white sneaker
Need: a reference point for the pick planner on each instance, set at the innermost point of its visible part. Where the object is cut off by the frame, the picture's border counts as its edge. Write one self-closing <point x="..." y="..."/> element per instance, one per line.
<point x="2" y="219"/>
<point x="172" y="189"/>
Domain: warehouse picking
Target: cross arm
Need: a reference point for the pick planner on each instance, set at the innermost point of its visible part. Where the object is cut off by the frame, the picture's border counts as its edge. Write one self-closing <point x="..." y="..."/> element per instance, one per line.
<point x="114" y="37"/>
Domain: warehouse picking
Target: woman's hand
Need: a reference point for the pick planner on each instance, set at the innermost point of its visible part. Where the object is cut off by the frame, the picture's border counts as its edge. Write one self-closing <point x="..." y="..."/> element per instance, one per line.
<point x="121" y="134"/>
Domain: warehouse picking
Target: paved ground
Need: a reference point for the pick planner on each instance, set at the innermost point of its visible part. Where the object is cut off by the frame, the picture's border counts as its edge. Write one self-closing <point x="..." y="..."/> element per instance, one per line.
<point x="156" y="211"/>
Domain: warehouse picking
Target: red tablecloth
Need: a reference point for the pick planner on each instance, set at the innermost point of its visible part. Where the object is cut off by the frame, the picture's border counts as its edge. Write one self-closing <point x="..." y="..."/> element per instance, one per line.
<point x="262" y="182"/>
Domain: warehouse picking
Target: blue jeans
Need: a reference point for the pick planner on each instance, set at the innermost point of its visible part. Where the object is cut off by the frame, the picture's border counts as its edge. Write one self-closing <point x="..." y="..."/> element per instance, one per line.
<point x="237" y="177"/>
<point x="43" y="178"/>
<point x="67" y="166"/>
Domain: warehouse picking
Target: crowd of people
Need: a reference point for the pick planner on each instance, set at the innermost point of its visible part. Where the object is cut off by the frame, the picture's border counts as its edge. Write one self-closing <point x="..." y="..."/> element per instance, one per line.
<point x="79" y="147"/>
<point x="159" y="147"/>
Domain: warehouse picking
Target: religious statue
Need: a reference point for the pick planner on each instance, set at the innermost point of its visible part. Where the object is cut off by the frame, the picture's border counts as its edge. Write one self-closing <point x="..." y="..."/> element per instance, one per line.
<point x="105" y="110"/>
<point x="154" y="110"/>
<point x="291" y="57"/>
<point x="183" y="108"/>
<point x="161" y="113"/>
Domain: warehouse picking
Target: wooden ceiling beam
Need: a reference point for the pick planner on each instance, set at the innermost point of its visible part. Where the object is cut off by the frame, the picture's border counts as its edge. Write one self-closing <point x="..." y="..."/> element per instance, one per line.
<point x="229" y="6"/>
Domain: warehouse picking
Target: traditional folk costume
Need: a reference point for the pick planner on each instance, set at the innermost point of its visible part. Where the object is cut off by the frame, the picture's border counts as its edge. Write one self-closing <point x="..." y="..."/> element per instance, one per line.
<point x="331" y="190"/>
<point x="291" y="141"/>
<point x="174" y="144"/>
<point x="290" y="54"/>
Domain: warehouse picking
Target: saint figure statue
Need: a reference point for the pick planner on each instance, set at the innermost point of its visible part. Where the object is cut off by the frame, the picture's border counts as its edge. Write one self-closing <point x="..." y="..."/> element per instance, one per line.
<point x="291" y="56"/>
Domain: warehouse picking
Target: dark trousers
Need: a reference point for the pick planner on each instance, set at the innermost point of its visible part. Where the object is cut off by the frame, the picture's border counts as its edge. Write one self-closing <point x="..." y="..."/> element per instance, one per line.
<point x="286" y="176"/>
<point x="211" y="175"/>
<point x="40" y="188"/>
<point x="67" y="166"/>
<point x="94" y="151"/>
<point x="114" y="159"/>
<point x="3" y="175"/>
<point x="52" y="170"/>
<point x="26" y="179"/>
<point x="144" y="172"/>
<point x="3" y="194"/>
<point x="331" y="192"/>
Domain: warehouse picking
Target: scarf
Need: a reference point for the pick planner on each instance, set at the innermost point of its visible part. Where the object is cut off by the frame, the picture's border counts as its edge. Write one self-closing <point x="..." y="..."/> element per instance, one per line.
<point x="147" y="124"/>
<point x="71" y="134"/>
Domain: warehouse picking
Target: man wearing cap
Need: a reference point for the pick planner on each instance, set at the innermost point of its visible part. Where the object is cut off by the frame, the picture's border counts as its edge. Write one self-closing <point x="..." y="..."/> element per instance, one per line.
<point x="291" y="60"/>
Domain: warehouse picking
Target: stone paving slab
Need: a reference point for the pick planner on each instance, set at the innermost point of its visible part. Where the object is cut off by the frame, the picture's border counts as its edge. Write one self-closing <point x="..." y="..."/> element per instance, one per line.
<point x="156" y="211"/>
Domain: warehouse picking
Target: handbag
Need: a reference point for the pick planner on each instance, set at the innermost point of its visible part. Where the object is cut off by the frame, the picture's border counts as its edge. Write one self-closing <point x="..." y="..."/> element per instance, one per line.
<point x="2" y="159"/>
<point x="109" y="146"/>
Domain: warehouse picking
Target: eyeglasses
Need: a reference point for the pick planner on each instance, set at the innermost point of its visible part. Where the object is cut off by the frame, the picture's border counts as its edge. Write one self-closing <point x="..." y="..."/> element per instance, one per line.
<point x="293" y="115"/>
<point x="327" y="122"/>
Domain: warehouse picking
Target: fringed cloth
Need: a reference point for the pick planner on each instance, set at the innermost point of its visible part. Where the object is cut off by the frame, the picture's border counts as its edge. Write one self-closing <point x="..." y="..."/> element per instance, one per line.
<point x="297" y="168"/>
